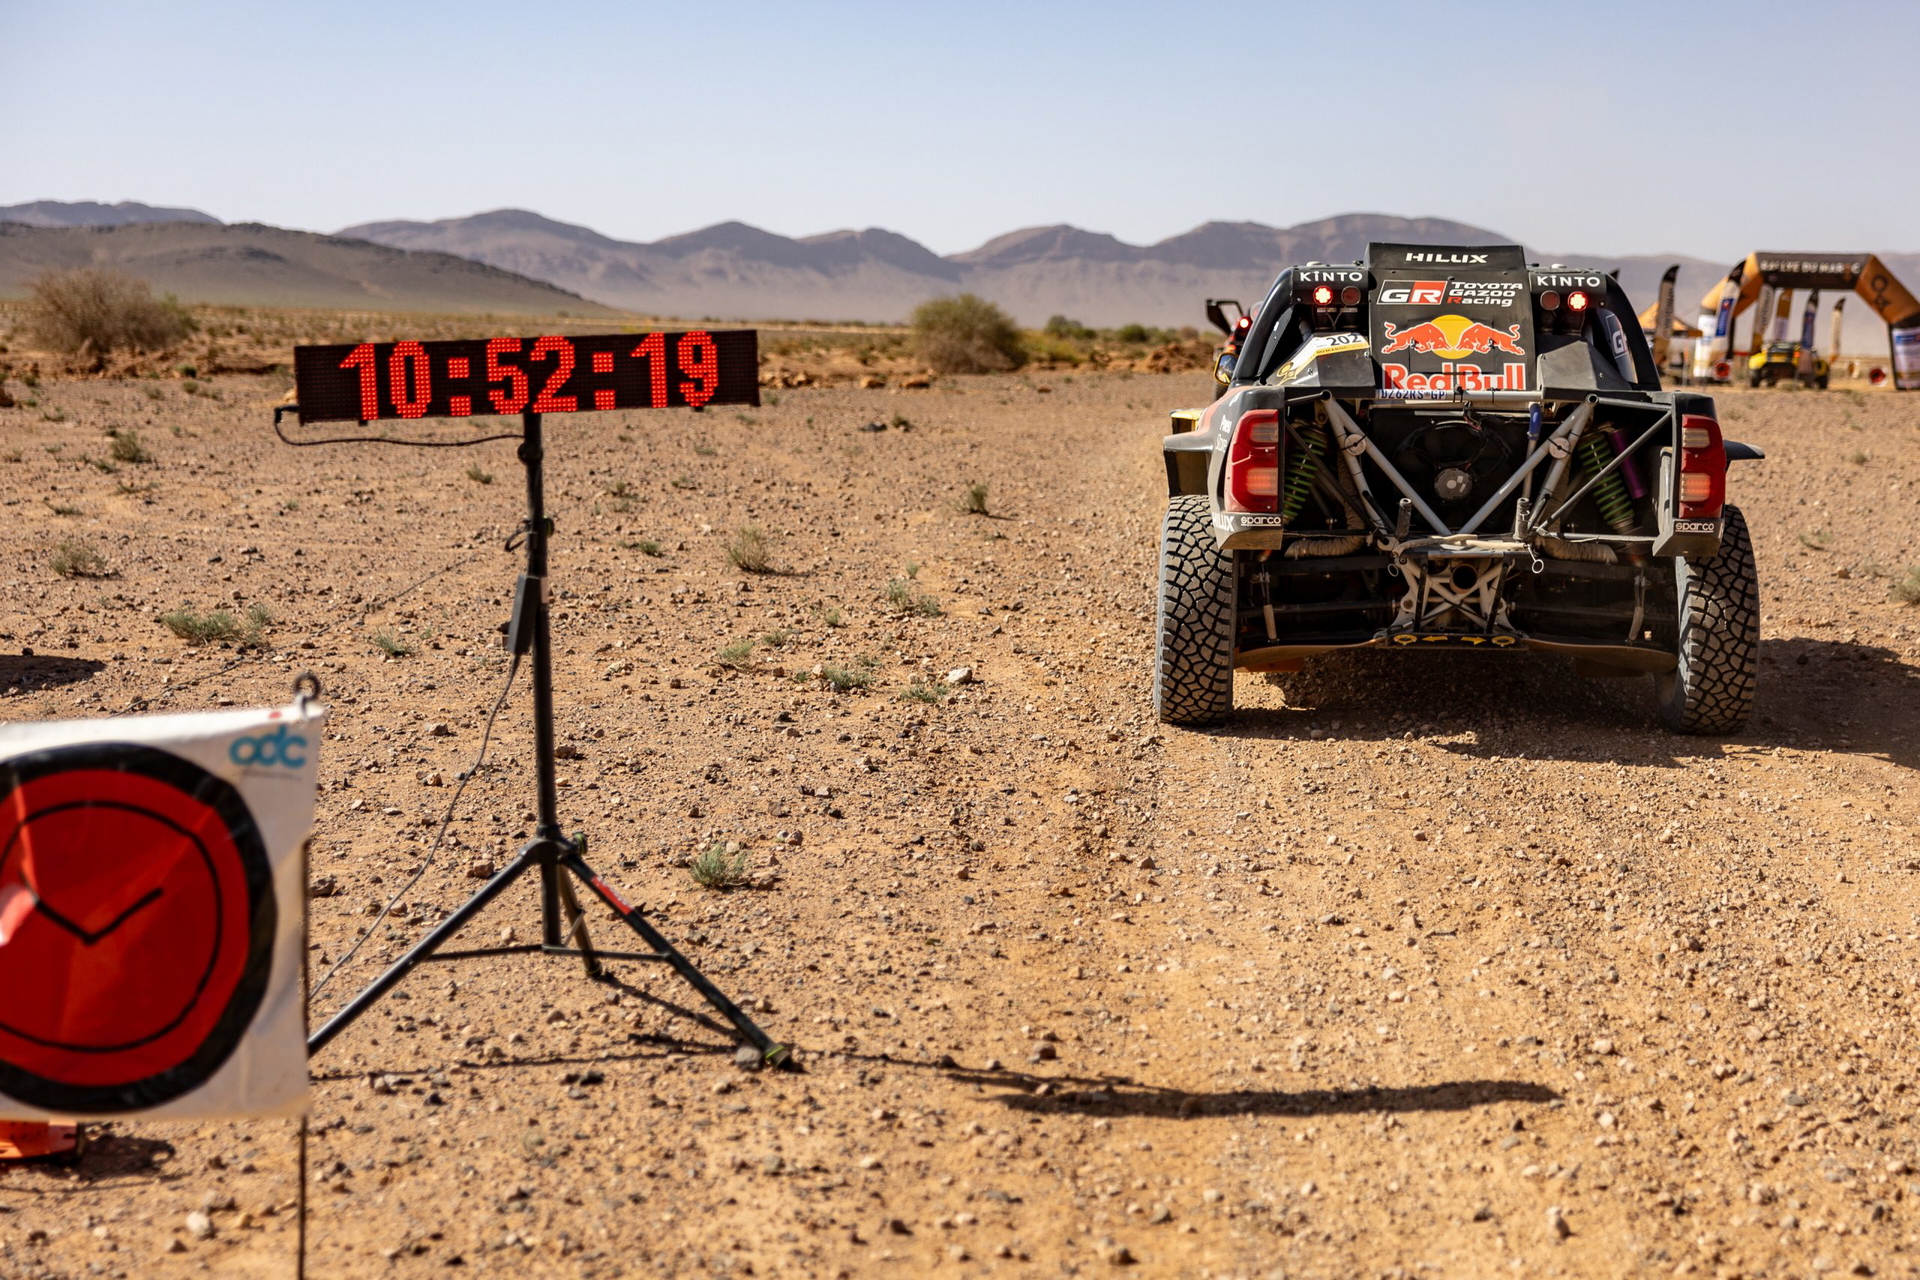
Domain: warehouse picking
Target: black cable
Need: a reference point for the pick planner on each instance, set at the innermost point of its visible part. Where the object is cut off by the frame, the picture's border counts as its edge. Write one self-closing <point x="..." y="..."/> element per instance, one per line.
<point x="411" y="444"/>
<point x="486" y="736"/>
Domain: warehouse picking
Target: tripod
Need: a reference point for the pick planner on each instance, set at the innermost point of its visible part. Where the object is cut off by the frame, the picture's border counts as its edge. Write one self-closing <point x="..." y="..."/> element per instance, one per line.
<point x="558" y="860"/>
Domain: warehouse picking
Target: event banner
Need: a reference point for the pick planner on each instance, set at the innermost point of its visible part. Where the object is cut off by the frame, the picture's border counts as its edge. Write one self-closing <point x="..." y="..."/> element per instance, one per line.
<point x="152" y="908"/>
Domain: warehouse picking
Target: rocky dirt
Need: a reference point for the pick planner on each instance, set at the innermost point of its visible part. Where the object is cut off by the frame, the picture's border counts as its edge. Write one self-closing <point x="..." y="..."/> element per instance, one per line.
<point x="1422" y="964"/>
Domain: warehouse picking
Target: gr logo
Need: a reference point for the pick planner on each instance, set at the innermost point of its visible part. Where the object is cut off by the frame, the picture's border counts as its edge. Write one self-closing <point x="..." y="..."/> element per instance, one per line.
<point x="276" y="748"/>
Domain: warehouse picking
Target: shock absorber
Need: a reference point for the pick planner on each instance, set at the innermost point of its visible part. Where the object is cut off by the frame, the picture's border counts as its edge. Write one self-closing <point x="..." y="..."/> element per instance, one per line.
<point x="1303" y="466"/>
<point x="1610" y="494"/>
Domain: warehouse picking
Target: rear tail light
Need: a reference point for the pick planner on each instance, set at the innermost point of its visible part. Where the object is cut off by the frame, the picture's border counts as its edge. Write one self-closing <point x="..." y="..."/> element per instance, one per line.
<point x="1703" y="468"/>
<point x="1576" y="301"/>
<point x="1253" y="462"/>
<point x="1549" y="301"/>
<point x="1323" y="295"/>
<point x="1350" y="297"/>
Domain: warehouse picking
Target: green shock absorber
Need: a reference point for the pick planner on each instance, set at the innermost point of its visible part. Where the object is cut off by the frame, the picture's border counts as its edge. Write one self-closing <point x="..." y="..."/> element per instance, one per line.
<point x="1611" y="493"/>
<point x="1303" y="465"/>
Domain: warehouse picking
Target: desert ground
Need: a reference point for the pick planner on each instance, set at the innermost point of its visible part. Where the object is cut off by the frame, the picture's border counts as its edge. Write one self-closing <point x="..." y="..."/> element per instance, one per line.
<point x="1421" y="965"/>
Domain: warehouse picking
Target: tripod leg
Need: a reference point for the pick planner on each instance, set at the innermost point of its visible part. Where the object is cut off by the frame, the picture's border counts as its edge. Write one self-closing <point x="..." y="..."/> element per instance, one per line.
<point x="422" y="949"/>
<point x="577" y="928"/>
<point x="772" y="1053"/>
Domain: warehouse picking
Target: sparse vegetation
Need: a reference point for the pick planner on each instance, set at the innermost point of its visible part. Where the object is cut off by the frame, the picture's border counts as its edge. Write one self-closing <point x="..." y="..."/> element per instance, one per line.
<point x="751" y="550"/>
<point x="1815" y="539"/>
<point x="904" y="599"/>
<point x="715" y="868"/>
<point x="705" y="450"/>
<point x="219" y="626"/>
<point x="776" y="639"/>
<point x="967" y="334"/>
<point x="75" y="559"/>
<point x="645" y="546"/>
<point x="925" y="691"/>
<point x="1907" y="591"/>
<point x="391" y="645"/>
<point x="828" y="615"/>
<point x="738" y="656"/>
<point x="1859" y="458"/>
<point x="974" y="501"/>
<point x="125" y="446"/>
<point x="88" y="311"/>
<point x="479" y="476"/>
<point x="843" y="679"/>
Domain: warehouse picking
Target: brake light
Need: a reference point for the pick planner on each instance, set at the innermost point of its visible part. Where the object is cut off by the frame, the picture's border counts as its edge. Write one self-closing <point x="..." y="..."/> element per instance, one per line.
<point x="1323" y="295"/>
<point x="1703" y="468"/>
<point x="1550" y="301"/>
<point x="1253" y="462"/>
<point x="1576" y="301"/>
<point x="1350" y="297"/>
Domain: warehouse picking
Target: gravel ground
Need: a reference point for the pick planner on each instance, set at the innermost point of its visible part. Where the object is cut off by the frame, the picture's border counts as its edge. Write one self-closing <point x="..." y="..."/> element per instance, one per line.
<point x="1457" y="966"/>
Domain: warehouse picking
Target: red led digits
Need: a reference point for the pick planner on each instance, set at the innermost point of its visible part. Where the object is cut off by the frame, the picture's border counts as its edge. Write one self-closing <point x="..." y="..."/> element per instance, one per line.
<point x="547" y="401"/>
<point x="462" y="378"/>
<point x="653" y="349"/>
<point x="604" y="398"/>
<point x="699" y="360"/>
<point x="459" y="367"/>
<point x="363" y="359"/>
<point x="407" y="367"/>
<point x="506" y="401"/>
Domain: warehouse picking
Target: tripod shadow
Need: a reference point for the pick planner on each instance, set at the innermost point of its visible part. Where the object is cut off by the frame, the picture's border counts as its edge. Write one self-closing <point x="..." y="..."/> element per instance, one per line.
<point x="104" y="1157"/>
<point x="1115" y="1095"/>
<point x="24" y="674"/>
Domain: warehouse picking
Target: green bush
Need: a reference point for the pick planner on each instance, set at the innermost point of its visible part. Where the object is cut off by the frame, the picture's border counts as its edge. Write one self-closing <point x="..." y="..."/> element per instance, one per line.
<point x="967" y="334"/>
<point x="1065" y="327"/>
<point x="90" y="311"/>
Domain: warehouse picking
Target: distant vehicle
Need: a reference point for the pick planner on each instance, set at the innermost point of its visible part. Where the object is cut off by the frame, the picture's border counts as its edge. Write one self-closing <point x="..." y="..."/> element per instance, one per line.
<point x="1448" y="450"/>
<point x="1781" y="362"/>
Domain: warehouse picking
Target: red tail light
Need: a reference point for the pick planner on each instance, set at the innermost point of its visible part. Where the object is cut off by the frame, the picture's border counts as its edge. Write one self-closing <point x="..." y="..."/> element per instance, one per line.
<point x="1253" y="462"/>
<point x="1323" y="295"/>
<point x="1703" y="468"/>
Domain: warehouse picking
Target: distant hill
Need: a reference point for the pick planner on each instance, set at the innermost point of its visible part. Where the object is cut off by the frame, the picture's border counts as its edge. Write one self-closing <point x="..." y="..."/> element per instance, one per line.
<point x="89" y="213"/>
<point x="250" y="264"/>
<point x="740" y="271"/>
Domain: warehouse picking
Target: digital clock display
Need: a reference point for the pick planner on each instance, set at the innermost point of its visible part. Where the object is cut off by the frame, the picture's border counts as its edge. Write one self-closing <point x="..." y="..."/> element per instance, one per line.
<point x="553" y="374"/>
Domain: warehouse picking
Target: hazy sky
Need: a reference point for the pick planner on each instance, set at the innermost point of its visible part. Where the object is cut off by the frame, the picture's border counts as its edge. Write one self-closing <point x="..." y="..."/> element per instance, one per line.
<point x="1708" y="129"/>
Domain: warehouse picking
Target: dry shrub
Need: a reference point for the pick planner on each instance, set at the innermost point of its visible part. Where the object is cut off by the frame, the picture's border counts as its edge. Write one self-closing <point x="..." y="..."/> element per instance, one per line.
<point x="967" y="334"/>
<point x="91" y="311"/>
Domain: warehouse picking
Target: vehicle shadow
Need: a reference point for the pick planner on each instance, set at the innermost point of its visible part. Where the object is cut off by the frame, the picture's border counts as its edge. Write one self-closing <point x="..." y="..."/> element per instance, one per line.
<point x="1534" y="706"/>
<point x="1510" y="704"/>
<point x="20" y="673"/>
<point x="1117" y="1096"/>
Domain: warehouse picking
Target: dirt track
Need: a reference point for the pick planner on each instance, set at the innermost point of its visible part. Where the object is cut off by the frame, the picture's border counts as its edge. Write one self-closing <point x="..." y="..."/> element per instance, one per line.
<point x="1422" y="964"/>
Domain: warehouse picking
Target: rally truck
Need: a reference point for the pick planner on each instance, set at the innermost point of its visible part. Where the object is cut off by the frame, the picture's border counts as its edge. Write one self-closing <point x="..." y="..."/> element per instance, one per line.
<point x="1445" y="449"/>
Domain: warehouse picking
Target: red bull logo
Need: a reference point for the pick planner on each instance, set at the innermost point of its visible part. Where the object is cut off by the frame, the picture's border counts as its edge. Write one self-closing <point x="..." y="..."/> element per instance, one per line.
<point x="1452" y="337"/>
<point x="1511" y="376"/>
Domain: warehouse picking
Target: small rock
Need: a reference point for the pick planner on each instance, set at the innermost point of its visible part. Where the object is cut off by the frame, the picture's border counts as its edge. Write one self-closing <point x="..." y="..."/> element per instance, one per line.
<point x="199" y="1225"/>
<point x="480" y="869"/>
<point x="960" y="675"/>
<point x="1603" y="1047"/>
<point x="324" y="887"/>
<point x="747" y="1058"/>
<point x="1116" y="1253"/>
<point x="1557" y="1222"/>
<point x="439" y="729"/>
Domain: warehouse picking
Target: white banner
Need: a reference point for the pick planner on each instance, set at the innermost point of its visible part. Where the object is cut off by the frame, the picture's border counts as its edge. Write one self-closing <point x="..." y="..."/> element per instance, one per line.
<point x="152" y="908"/>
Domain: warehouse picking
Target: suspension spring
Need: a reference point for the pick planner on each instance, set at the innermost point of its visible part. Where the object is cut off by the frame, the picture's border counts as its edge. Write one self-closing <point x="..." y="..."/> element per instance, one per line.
<point x="1303" y="467"/>
<point x="1610" y="494"/>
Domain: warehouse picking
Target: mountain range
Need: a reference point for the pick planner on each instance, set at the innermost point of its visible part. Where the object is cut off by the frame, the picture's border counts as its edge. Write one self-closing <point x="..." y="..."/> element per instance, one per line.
<point x="738" y="272"/>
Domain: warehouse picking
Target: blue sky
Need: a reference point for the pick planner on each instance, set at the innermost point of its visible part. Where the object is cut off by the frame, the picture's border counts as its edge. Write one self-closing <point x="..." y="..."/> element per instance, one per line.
<point x="1605" y="128"/>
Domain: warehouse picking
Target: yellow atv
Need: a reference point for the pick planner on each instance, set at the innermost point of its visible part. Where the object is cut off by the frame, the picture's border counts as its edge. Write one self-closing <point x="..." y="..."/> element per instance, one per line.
<point x="1780" y="362"/>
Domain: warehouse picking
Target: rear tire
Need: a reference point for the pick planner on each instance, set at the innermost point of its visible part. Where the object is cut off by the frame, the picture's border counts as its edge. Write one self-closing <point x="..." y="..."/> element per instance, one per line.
<point x="1711" y="690"/>
<point x="1193" y="633"/>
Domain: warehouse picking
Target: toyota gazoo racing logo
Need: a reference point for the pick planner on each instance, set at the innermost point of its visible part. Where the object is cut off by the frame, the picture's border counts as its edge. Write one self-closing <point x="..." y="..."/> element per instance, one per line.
<point x="278" y="749"/>
<point x="1452" y="337"/>
<point x="1450" y="293"/>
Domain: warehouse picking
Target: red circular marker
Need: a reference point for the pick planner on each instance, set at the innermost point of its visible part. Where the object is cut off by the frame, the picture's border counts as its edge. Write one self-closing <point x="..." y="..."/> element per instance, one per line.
<point x="136" y="926"/>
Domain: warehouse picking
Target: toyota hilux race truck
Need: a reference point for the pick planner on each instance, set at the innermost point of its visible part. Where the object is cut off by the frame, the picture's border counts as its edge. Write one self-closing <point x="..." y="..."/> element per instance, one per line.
<point x="1449" y="449"/>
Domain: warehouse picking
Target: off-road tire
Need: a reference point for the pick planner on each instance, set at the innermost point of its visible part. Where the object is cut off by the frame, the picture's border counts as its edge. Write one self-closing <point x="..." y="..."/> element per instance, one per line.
<point x="1711" y="690"/>
<point x="1193" y="624"/>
